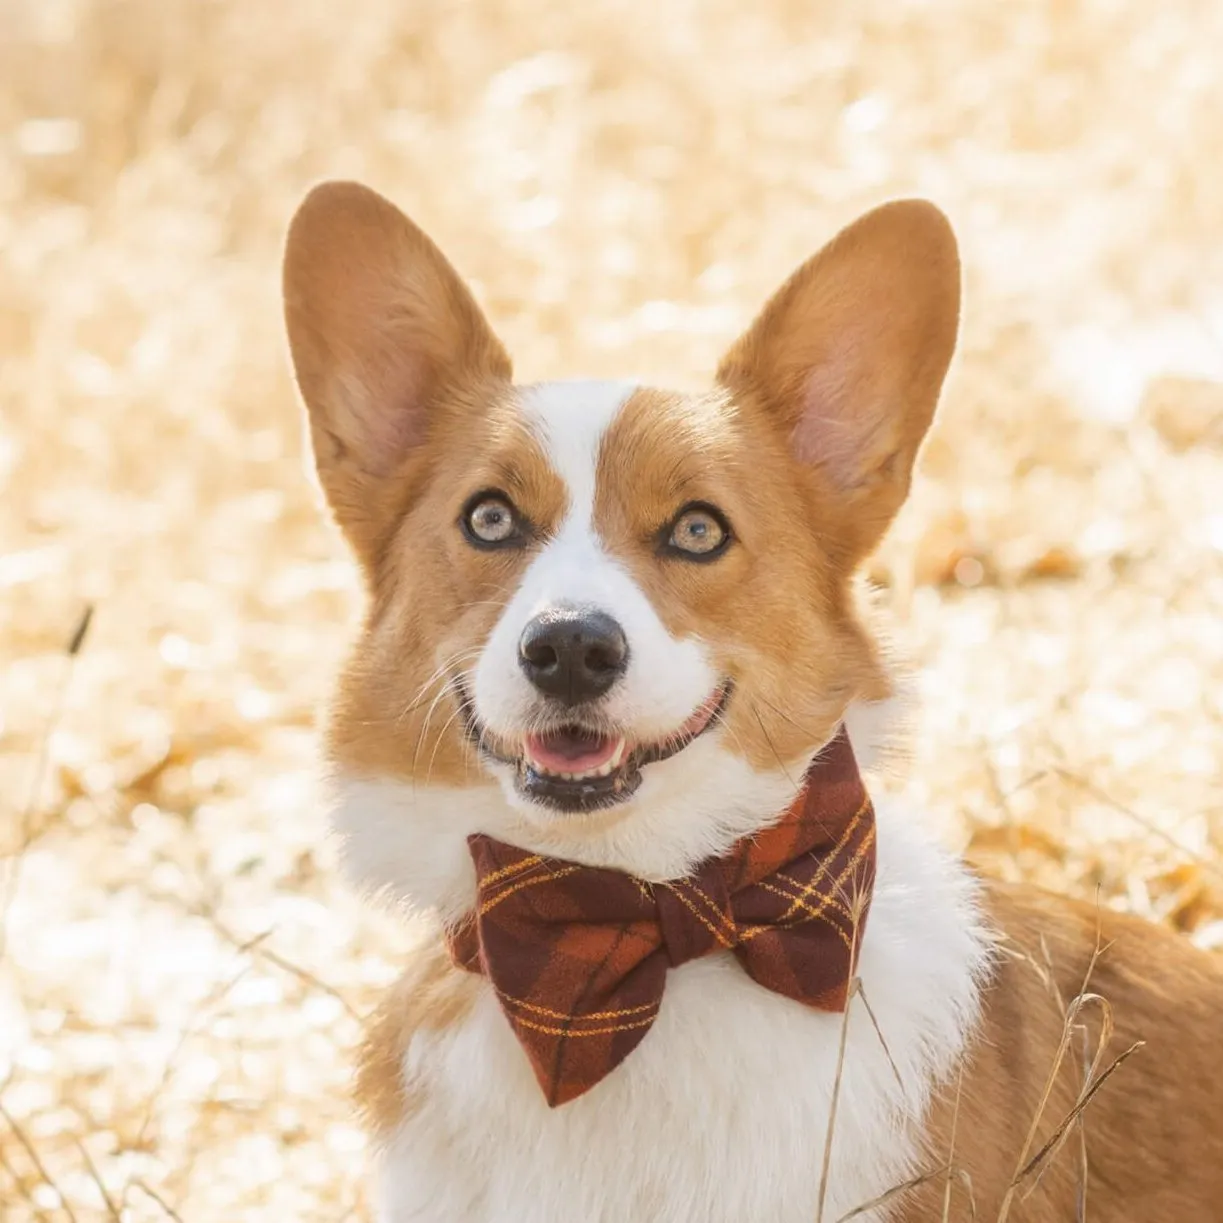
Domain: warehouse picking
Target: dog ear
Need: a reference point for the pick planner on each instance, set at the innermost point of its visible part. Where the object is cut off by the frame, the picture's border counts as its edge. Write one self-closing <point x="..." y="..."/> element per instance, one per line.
<point x="381" y="328"/>
<point x="849" y="357"/>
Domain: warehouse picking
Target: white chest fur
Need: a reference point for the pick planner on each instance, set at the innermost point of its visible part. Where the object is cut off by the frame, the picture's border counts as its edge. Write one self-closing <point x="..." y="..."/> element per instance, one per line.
<point x="722" y="1112"/>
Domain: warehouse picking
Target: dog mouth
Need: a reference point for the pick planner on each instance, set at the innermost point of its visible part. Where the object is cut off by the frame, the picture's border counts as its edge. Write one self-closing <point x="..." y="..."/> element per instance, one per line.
<point x="581" y="765"/>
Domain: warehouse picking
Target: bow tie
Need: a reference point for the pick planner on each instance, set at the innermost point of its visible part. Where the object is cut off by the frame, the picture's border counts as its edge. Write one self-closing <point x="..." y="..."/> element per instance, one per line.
<point x="579" y="955"/>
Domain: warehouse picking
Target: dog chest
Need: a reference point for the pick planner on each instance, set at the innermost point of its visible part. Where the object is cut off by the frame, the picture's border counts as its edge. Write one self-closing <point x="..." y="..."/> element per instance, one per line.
<point x="721" y="1114"/>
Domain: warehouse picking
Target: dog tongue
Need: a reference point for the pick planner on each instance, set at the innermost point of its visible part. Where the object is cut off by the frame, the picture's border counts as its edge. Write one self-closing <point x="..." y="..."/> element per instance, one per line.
<point x="570" y="750"/>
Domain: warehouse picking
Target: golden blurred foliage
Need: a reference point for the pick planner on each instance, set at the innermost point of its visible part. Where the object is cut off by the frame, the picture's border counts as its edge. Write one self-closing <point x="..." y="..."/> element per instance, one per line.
<point x="624" y="183"/>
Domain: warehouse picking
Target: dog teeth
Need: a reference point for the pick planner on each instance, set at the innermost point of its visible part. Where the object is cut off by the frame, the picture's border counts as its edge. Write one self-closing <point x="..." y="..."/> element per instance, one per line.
<point x="613" y="762"/>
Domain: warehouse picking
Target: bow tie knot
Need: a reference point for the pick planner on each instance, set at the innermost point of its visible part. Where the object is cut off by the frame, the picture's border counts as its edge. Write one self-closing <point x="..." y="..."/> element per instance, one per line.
<point x="578" y="955"/>
<point x="695" y="916"/>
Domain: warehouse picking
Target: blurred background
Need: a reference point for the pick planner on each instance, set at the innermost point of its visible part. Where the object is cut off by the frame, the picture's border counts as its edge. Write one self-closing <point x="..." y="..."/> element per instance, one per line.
<point x="182" y="975"/>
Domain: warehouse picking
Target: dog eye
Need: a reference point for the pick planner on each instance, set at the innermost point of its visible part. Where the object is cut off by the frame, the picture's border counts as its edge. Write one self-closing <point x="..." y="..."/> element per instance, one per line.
<point x="699" y="532"/>
<point x="490" y="520"/>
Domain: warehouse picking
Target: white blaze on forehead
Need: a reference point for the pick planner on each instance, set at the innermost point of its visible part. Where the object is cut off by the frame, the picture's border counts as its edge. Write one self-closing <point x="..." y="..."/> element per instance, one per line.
<point x="667" y="679"/>
<point x="570" y="419"/>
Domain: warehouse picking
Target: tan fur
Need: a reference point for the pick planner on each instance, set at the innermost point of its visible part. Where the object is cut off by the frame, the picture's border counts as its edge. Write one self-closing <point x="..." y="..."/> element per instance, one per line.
<point x="1153" y="1132"/>
<point x="430" y="996"/>
<point x="777" y="611"/>
<point x="436" y="599"/>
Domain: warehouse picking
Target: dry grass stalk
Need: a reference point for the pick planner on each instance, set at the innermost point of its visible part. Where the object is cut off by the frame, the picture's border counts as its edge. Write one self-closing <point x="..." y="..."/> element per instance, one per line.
<point x="894" y="1193"/>
<point x="285" y="964"/>
<point x="210" y="1000"/>
<point x="1058" y="1137"/>
<point x="20" y="1187"/>
<point x="111" y="1209"/>
<point x="1148" y="825"/>
<point x="32" y="1152"/>
<point x="1081" y="1126"/>
<point x="887" y="1052"/>
<point x="955" y="1123"/>
<point x="826" y="1161"/>
<point x="42" y="764"/>
<point x="1094" y="1079"/>
<point x="856" y="904"/>
<point x="153" y="1195"/>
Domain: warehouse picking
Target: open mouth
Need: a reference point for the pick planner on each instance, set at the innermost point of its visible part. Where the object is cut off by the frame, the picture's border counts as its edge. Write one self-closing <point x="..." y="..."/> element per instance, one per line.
<point x="580" y="766"/>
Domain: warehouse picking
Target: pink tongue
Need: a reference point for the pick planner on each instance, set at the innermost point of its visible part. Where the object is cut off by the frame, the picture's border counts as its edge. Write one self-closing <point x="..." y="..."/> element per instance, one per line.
<point x="570" y="751"/>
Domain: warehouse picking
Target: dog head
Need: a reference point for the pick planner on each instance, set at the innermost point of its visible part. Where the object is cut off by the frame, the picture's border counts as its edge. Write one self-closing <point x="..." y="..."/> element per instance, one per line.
<point x="605" y="621"/>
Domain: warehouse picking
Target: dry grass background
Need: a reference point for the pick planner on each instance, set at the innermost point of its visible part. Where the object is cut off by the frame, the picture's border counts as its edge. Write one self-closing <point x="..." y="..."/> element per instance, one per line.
<point x="625" y="182"/>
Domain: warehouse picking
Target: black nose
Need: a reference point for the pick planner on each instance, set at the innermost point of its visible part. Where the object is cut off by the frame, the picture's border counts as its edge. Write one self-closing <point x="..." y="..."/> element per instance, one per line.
<point x="573" y="654"/>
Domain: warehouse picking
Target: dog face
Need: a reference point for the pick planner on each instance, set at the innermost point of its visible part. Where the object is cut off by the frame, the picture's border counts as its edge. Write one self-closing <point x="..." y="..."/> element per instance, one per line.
<point x="608" y="622"/>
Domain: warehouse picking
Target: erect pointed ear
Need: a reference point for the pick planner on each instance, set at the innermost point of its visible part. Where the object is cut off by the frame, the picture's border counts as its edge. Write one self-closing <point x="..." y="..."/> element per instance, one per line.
<point x="381" y="328"/>
<point x="849" y="357"/>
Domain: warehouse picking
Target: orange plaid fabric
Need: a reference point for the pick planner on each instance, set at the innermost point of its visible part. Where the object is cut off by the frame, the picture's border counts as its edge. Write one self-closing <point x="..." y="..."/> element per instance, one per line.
<point x="579" y="955"/>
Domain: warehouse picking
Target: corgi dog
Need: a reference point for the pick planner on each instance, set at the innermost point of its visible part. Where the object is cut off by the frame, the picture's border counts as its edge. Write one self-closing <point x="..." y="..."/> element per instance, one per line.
<point x="603" y="731"/>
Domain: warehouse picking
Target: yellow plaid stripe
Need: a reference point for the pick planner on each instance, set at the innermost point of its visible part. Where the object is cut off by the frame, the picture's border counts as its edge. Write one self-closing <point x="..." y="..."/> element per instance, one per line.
<point x="611" y="1030"/>
<point x="808" y="914"/>
<point x="493" y="901"/>
<point x="543" y="1010"/>
<point x="798" y="890"/>
<point x="827" y="900"/>
<point x="819" y="875"/>
<point x="726" y="941"/>
<point x="514" y="868"/>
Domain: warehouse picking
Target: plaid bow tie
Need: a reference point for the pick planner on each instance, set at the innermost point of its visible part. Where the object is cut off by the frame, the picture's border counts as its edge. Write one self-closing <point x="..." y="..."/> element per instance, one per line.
<point x="579" y="955"/>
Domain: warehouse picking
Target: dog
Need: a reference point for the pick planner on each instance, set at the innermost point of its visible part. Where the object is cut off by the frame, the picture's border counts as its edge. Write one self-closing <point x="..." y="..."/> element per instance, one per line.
<point x="603" y="730"/>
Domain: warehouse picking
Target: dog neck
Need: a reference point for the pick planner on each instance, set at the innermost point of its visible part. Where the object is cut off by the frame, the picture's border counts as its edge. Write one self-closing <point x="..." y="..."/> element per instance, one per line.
<point x="406" y="844"/>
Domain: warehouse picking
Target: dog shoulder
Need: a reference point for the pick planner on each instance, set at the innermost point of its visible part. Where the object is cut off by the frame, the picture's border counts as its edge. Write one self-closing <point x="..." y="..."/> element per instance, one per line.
<point x="1136" y="964"/>
<point x="431" y="995"/>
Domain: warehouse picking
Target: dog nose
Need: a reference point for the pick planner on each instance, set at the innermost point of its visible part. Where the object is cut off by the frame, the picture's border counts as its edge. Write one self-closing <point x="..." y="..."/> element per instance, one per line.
<point x="573" y="654"/>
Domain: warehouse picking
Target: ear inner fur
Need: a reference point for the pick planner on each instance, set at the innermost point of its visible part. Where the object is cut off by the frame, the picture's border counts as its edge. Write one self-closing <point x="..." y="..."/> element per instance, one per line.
<point x="384" y="334"/>
<point x="849" y="355"/>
